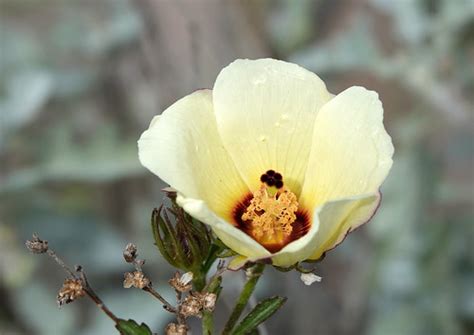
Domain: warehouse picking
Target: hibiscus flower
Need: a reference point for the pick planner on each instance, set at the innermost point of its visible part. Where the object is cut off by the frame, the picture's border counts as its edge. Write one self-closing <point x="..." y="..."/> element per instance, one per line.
<point x="277" y="166"/>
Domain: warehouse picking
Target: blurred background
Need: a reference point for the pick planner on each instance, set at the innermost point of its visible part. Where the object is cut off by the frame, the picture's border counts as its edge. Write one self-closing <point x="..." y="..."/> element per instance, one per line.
<point x="80" y="81"/>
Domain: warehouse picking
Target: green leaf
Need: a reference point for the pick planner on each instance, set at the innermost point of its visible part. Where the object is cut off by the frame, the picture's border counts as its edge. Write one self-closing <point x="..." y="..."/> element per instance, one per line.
<point x="259" y="314"/>
<point x="130" y="327"/>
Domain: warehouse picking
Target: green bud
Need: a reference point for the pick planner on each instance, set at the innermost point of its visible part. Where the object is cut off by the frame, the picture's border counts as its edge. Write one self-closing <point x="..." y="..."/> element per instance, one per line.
<point x="182" y="240"/>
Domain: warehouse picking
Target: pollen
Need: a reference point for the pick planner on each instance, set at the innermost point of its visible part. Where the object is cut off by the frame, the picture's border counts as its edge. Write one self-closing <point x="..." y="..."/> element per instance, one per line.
<point x="270" y="215"/>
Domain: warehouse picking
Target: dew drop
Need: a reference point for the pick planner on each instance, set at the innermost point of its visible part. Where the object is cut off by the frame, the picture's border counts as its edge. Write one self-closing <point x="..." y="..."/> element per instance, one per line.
<point x="259" y="80"/>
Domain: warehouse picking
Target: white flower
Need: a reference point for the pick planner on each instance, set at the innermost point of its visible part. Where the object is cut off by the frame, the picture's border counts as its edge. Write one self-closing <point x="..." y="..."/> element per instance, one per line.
<point x="276" y="165"/>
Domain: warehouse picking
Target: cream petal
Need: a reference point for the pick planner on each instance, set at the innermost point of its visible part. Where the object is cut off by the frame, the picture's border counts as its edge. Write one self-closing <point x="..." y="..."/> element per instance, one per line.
<point x="351" y="152"/>
<point x="330" y="221"/>
<point x="338" y="218"/>
<point x="183" y="148"/>
<point x="300" y="249"/>
<point x="231" y="236"/>
<point x="237" y="263"/>
<point x="265" y="111"/>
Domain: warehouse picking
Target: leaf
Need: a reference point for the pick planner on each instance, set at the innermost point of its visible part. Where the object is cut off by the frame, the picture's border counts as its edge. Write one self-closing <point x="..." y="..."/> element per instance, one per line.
<point x="130" y="327"/>
<point x="259" y="314"/>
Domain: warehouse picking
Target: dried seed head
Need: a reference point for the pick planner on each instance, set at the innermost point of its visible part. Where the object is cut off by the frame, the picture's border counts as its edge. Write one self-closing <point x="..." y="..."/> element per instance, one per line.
<point x="71" y="290"/>
<point x="209" y="301"/>
<point x="182" y="283"/>
<point x="130" y="253"/>
<point x="191" y="306"/>
<point x="136" y="279"/>
<point x="36" y="245"/>
<point x="174" y="329"/>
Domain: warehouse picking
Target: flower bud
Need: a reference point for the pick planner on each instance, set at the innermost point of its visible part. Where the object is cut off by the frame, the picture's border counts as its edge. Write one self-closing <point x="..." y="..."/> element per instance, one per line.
<point x="184" y="244"/>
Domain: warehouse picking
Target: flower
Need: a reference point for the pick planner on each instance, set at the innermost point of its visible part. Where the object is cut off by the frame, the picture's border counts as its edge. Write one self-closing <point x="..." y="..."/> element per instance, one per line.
<point x="280" y="169"/>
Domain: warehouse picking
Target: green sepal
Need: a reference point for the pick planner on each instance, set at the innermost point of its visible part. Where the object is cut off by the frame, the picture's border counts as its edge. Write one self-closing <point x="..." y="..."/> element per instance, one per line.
<point x="165" y="236"/>
<point x="259" y="314"/>
<point x="284" y="269"/>
<point x="130" y="327"/>
<point x="186" y="243"/>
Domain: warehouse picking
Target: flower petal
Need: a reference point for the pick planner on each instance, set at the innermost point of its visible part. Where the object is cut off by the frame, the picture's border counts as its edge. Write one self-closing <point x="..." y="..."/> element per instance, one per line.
<point x="265" y="111"/>
<point x="231" y="236"/>
<point x="331" y="223"/>
<point x="183" y="147"/>
<point x="237" y="263"/>
<point x="340" y="217"/>
<point x="351" y="153"/>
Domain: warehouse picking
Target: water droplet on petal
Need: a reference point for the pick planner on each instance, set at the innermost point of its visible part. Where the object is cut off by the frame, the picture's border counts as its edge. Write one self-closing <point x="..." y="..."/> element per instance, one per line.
<point x="259" y="80"/>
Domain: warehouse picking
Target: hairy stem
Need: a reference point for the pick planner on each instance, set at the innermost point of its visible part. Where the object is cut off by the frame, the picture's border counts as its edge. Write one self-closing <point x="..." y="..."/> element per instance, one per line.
<point x="249" y="287"/>
<point x="60" y="262"/>
<point x="166" y="304"/>
<point x="199" y="280"/>
<point x="87" y="288"/>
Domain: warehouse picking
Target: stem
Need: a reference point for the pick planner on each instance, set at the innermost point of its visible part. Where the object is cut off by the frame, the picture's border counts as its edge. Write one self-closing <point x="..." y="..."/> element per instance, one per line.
<point x="79" y="274"/>
<point x="244" y="297"/>
<point x="199" y="281"/>
<point x="211" y="258"/>
<point x="200" y="276"/>
<point x="60" y="262"/>
<point x="158" y="296"/>
<point x="207" y="323"/>
<point x="91" y="294"/>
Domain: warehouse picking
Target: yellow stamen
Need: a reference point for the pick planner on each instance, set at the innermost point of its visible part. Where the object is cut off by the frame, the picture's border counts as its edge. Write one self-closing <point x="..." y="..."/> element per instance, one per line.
<point x="270" y="215"/>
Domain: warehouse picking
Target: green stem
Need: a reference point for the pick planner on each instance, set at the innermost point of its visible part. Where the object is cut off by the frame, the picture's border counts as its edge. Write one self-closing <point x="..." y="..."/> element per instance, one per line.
<point x="207" y="323"/>
<point x="199" y="280"/>
<point x="211" y="258"/>
<point x="249" y="287"/>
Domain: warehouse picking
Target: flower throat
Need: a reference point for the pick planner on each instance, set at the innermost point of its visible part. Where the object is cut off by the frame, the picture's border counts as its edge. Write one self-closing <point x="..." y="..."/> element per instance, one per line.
<point x="271" y="214"/>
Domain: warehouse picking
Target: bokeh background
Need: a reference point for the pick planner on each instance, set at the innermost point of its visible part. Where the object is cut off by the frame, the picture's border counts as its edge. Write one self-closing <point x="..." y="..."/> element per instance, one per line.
<point x="80" y="81"/>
